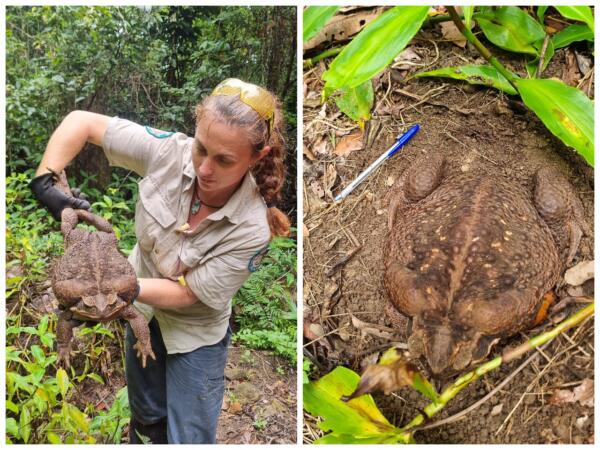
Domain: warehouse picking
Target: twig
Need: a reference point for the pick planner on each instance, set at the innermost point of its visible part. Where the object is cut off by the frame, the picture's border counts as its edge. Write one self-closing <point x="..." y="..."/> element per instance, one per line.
<point x="538" y="72"/>
<point x="326" y="54"/>
<point x="480" y="402"/>
<point x="341" y="263"/>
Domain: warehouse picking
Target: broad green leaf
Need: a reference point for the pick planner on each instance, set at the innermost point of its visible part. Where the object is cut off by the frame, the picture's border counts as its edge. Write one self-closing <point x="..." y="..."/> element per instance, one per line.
<point x="332" y="438"/>
<point x="541" y="12"/>
<point x="570" y="34"/>
<point x="25" y="424"/>
<point x="314" y="18"/>
<point x="43" y="325"/>
<point x="566" y="111"/>
<point x="510" y="28"/>
<point x="11" y="427"/>
<point x="38" y="353"/>
<point x="62" y="380"/>
<point x="374" y="48"/>
<point x="579" y="13"/>
<point x="468" y="15"/>
<point x="358" y="417"/>
<point x="473" y="74"/>
<point x="357" y="102"/>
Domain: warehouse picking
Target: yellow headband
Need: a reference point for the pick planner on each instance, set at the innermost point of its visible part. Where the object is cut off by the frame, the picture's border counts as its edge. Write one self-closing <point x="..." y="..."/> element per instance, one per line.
<point x="257" y="98"/>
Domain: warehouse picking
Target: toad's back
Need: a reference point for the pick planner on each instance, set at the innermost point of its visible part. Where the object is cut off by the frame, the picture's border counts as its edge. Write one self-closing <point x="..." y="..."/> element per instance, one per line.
<point x="472" y="240"/>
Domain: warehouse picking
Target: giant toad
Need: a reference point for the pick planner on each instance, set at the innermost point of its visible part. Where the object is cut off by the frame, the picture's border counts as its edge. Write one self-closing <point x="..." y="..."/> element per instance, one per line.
<point x="469" y="258"/>
<point x="93" y="281"/>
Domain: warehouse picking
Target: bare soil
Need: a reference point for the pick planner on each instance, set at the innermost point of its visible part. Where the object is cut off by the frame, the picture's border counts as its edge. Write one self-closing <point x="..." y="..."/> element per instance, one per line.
<point x="478" y="129"/>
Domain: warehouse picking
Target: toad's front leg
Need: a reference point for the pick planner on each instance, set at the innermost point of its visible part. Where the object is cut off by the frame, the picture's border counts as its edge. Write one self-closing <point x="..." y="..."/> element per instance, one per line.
<point x="142" y="333"/>
<point x="64" y="337"/>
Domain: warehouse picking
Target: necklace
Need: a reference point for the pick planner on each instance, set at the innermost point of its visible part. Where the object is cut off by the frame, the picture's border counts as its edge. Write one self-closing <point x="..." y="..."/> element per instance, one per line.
<point x="197" y="204"/>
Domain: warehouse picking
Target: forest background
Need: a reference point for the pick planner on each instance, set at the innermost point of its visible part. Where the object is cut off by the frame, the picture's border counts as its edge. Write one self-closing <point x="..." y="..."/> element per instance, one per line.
<point x="151" y="65"/>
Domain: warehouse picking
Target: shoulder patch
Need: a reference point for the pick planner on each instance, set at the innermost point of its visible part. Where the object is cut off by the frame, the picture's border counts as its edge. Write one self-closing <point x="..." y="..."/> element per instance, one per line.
<point x="157" y="133"/>
<point x="255" y="261"/>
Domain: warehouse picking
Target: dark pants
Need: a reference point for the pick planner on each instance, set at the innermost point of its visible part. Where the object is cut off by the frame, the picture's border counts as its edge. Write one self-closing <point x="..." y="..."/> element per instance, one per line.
<point x="184" y="389"/>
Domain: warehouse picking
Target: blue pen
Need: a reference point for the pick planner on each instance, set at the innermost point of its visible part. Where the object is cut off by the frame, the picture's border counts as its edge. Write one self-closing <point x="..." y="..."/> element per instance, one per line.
<point x="400" y="142"/>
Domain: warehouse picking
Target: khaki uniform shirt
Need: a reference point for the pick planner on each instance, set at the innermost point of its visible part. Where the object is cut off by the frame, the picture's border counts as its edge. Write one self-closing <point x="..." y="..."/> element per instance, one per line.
<point x="215" y="259"/>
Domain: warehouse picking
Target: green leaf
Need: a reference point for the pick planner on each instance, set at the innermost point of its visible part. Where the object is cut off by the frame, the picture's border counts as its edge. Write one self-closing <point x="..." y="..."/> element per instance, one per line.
<point x="473" y="74"/>
<point x="79" y="418"/>
<point x="96" y="377"/>
<point x="62" y="380"/>
<point x="25" y="424"/>
<point x="570" y="34"/>
<point x="53" y="438"/>
<point x="12" y="407"/>
<point x="541" y="12"/>
<point x="359" y="417"/>
<point x="332" y="438"/>
<point x="566" y="111"/>
<point x="43" y="325"/>
<point x="374" y="48"/>
<point x="11" y="427"/>
<point x="38" y="353"/>
<point x="314" y="18"/>
<point x="579" y="13"/>
<point x="357" y="102"/>
<point x="468" y="15"/>
<point x="107" y="200"/>
<point x="510" y="28"/>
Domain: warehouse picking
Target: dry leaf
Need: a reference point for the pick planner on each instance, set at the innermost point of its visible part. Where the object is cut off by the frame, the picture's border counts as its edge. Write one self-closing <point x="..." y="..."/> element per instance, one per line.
<point x="387" y="378"/>
<point x="317" y="188"/>
<point x="305" y="232"/>
<point x="389" y="181"/>
<point x="308" y="153"/>
<point x="313" y="331"/>
<point x="235" y="408"/>
<point x="453" y="34"/>
<point x="342" y="27"/>
<point x="580" y="273"/>
<point x="321" y="147"/>
<point x="313" y="203"/>
<point x="329" y="179"/>
<point x="496" y="410"/>
<point x="584" y="394"/>
<point x="372" y="329"/>
<point x="406" y="59"/>
<point x="349" y="143"/>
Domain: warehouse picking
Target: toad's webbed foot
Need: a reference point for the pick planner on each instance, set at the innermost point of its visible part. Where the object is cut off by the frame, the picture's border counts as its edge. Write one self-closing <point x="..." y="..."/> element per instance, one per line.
<point x="142" y="333"/>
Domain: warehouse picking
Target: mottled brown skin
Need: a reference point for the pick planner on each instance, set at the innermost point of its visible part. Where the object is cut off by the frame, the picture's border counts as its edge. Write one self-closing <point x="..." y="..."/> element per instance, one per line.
<point x="93" y="281"/>
<point x="469" y="257"/>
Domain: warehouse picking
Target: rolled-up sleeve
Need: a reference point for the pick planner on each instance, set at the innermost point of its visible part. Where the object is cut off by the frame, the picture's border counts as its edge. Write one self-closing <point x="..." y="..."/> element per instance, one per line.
<point x="131" y="146"/>
<point x="216" y="281"/>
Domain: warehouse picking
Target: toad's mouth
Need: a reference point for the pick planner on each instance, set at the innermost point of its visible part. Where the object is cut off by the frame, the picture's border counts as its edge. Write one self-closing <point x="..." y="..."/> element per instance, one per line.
<point x="92" y="312"/>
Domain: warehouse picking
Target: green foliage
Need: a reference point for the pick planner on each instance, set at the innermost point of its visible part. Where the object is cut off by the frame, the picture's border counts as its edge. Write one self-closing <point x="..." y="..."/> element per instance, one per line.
<point x="566" y="111"/>
<point x="357" y="421"/>
<point x="41" y="401"/>
<point x="373" y="48"/>
<point x="357" y="102"/>
<point x="315" y="17"/>
<point x="570" y="34"/>
<point x="579" y="13"/>
<point x="265" y="308"/>
<point x="511" y="28"/>
<point x="484" y="75"/>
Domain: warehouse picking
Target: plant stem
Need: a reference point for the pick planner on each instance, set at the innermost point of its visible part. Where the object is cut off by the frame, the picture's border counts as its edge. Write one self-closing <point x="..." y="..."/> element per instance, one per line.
<point x="510" y="77"/>
<point x="507" y="356"/>
<point x="326" y="54"/>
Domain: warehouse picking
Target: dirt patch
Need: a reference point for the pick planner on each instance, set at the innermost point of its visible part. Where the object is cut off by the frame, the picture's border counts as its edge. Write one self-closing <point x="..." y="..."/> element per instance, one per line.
<point x="479" y="130"/>
<point x="260" y="400"/>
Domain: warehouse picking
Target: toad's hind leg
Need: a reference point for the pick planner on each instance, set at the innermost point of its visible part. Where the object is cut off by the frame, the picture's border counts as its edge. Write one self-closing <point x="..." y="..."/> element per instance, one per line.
<point x="561" y="209"/>
<point x="416" y="183"/>
<point x="142" y="333"/>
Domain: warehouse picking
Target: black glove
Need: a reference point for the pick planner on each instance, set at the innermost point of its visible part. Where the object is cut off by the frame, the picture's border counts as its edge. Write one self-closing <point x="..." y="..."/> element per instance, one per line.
<point x="52" y="198"/>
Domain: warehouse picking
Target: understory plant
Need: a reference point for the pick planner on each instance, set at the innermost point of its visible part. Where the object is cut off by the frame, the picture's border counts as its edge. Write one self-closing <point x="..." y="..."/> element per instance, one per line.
<point x="566" y="111"/>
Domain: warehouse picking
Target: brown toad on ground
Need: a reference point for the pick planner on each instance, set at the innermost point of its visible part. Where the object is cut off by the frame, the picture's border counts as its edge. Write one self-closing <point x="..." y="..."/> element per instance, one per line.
<point x="93" y="281"/>
<point x="469" y="257"/>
